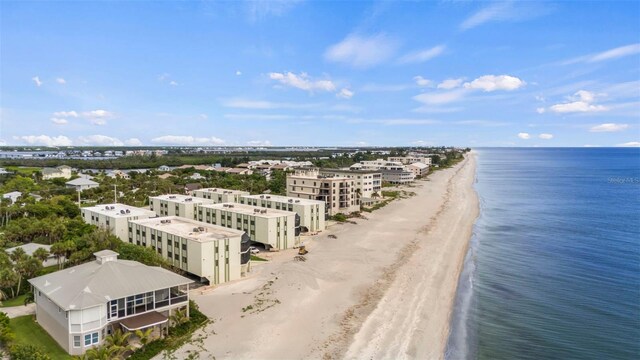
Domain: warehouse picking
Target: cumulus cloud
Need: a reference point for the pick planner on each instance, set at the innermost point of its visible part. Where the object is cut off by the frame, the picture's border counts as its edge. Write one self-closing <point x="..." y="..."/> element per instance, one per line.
<point x="437" y="98"/>
<point x="490" y="83"/>
<point x="422" y="55"/>
<point x="59" y="121"/>
<point x="259" y="143"/>
<point x="422" y="81"/>
<point x="345" y="94"/>
<point x="61" y="81"/>
<point x="98" y="121"/>
<point x="609" y="127"/>
<point x="65" y="114"/>
<point x="524" y="136"/>
<point x="99" y="140"/>
<point x="133" y="142"/>
<point x="44" y="140"/>
<point x="546" y="136"/>
<point x="36" y="80"/>
<point x="97" y="114"/>
<point x="238" y="72"/>
<point x="581" y="101"/>
<point x="302" y="81"/>
<point x="187" y="140"/>
<point x="630" y="144"/>
<point x="450" y="84"/>
<point x="362" y="51"/>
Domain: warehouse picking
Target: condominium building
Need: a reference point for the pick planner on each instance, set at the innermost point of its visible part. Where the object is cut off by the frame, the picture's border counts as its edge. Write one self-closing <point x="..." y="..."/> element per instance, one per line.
<point x="176" y="205"/>
<point x="367" y="181"/>
<point x="274" y="228"/>
<point x="114" y="217"/>
<point x="311" y="212"/>
<point x="392" y="172"/>
<point x="411" y="159"/>
<point x="81" y="305"/>
<point x="418" y="169"/>
<point x="213" y="253"/>
<point x="337" y="192"/>
<point x="218" y="195"/>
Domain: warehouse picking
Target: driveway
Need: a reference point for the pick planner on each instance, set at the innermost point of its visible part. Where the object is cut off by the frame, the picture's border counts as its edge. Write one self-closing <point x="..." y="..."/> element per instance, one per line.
<point x="21" y="310"/>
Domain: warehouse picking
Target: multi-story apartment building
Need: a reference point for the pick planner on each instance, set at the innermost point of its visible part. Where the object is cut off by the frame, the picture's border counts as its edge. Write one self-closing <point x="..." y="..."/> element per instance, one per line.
<point x="337" y="192"/>
<point x="81" y="305"/>
<point x="392" y="172"/>
<point x="218" y="195"/>
<point x="311" y="212"/>
<point x="369" y="182"/>
<point x="411" y="159"/>
<point x="418" y="169"/>
<point x="176" y="205"/>
<point x="114" y="217"/>
<point x="274" y="228"/>
<point x="213" y="253"/>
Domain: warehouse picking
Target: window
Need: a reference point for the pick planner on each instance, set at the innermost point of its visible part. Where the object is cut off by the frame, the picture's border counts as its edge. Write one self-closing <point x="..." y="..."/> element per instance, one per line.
<point x="90" y="339"/>
<point x="76" y="341"/>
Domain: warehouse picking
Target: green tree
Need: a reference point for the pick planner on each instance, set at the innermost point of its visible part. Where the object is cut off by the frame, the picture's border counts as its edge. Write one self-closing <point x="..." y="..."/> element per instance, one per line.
<point x="119" y="341"/>
<point x="144" y="336"/>
<point x="102" y="353"/>
<point x="8" y="279"/>
<point x="27" y="352"/>
<point x="41" y="254"/>
<point x="26" y="267"/>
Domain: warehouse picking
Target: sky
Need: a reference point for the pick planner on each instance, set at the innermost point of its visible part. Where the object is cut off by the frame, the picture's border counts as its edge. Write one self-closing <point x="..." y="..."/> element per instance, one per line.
<point x="320" y="73"/>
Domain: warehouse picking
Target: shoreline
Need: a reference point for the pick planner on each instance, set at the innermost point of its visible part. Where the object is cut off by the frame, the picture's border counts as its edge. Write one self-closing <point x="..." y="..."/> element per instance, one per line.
<point x="384" y="288"/>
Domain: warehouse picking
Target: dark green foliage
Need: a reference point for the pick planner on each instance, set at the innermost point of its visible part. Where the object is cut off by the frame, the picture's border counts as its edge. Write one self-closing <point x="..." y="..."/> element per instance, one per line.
<point x="27" y="352"/>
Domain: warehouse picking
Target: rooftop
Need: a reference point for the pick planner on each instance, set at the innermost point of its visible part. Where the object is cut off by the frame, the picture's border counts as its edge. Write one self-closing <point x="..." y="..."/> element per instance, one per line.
<point x="184" y="227"/>
<point x="223" y="191"/>
<point x="182" y="199"/>
<point x="285" y="199"/>
<point x="97" y="282"/>
<point x="29" y="248"/>
<point x="249" y="210"/>
<point x="119" y="210"/>
<point x="354" y="171"/>
<point x="81" y="181"/>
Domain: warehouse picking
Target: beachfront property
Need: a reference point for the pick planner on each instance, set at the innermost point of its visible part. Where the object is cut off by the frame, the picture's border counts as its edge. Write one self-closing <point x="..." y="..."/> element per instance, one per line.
<point x="337" y="192"/>
<point x="311" y="212"/>
<point x="213" y="253"/>
<point x="114" y="217"/>
<point x="392" y="172"/>
<point x="276" y="229"/>
<point x="418" y="169"/>
<point x="63" y="171"/>
<point x="81" y="184"/>
<point x="30" y="248"/>
<point x="218" y="195"/>
<point x="411" y="159"/>
<point x="81" y="305"/>
<point x="368" y="182"/>
<point x="176" y="205"/>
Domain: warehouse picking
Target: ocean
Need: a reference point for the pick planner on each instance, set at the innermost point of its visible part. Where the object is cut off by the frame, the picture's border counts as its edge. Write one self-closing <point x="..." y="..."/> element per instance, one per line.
<point x="553" y="269"/>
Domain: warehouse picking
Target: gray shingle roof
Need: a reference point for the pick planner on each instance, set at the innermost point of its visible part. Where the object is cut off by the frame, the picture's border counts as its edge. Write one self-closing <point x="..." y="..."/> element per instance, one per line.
<point x="81" y="182"/>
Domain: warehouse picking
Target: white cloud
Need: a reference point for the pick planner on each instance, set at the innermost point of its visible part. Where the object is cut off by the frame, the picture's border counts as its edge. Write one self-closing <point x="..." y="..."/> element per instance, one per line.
<point x="345" y="94"/>
<point x="422" y="55"/>
<point x="163" y="77"/>
<point x="187" y="140"/>
<point x="98" y="121"/>
<point x="450" y="84"/>
<point x="133" y="142"/>
<point x="61" y="81"/>
<point x="36" y="80"/>
<point x="64" y="114"/>
<point x="422" y="81"/>
<point x="610" y="54"/>
<point x="238" y="72"/>
<point x="302" y="82"/>
<point x="609" y="127"/>
<point x="99" y="140"/>
<point x="437" y="98"/>
<point x="490" y="83"/>
<point x="541" y="110"/>
<point x="581" y="102"/>
<point x="504" y="11"/>
<point x="260" y="9"/>
<point x="546" y="136"/>
<point x="524" y="136"/>
<point x="97" y="114"/>
<point x="241" y="103"/>
<point x="630" y="144"/>
<point x="419" y="143"/>
<point x="173" y="83"/>
<point x="259" y="143"/>
<point x="203" y="116"/>
<point x="59" y="121"/>
<point x="45" y="140"/>
<point x="362" y="51"/>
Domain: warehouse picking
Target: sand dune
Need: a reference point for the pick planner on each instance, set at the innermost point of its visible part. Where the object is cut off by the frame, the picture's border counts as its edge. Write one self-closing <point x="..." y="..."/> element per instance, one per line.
<point x="384" y="289"/>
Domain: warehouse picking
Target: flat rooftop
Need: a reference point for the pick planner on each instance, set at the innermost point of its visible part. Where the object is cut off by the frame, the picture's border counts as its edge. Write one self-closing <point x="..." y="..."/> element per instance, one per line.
<point x="354" y="171"/>
<point x="119" y="210"/>
<point x="182" y="199"/>
<point x="249" y="210"/>
<point x="222" y="191"/>
<point x="285" y="199"/>
<point x="184" y="227"/>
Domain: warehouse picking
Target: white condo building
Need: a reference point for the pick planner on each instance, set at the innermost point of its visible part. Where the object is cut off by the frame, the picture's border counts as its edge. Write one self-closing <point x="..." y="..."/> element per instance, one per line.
<point x="218" y="195"/>
<point x="311" y="212"/>
<point x="176" y="205"/>
<point x="114" y="217"/>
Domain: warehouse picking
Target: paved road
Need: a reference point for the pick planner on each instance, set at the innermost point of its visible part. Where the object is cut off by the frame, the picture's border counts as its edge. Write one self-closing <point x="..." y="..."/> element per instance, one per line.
<point x="21" y="310"/>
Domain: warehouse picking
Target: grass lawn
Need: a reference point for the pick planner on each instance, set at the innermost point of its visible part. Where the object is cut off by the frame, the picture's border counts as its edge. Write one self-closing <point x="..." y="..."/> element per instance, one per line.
<point x="18" y="300"/>
<point x="27" y="331"/>
<point x="257" y="258"/>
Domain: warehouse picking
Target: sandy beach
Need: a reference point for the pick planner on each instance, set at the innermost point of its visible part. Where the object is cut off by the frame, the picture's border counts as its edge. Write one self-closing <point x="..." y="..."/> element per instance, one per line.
<point x="382" y="289"/>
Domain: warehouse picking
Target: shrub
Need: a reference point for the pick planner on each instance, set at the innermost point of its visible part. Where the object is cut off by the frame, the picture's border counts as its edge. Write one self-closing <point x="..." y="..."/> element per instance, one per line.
<point x="27" y="352"/>
<point x="339" y="217"/>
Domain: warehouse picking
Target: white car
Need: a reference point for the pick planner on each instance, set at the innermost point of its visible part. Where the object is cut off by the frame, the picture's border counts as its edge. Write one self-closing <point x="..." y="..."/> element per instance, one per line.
<point x="254" y="250"/>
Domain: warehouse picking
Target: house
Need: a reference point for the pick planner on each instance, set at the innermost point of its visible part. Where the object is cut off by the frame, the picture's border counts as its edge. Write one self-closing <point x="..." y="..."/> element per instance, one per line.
<point x="219" y="195"/>
<point x="81" y="305"/>
<point x="338" y="192"/>
<point x="418" y="169"/>
<point x="310" y="212"/>
<point x="12" y="196"/>
<point x="4" y="171"/>
<point x="114" y="217"/>
<point x="57" y="172"/>
<point x="275" y="229"/>
<point x="30" y="248"/>
<point x="164" y="168"/>
<point x="196" y="176"/>
<point x="81" y="184"/>
<point x="165" y="176"/>
<point x="176" y="205"/>
<point x="214" y="253"/>
<point x="239" y="171"/>
<point x="118" y="174"/>
<point x="191" y="187"/>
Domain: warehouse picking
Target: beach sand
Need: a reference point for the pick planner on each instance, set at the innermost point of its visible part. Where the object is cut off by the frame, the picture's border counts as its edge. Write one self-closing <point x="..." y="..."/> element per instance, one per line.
<point x="383" y="289"/>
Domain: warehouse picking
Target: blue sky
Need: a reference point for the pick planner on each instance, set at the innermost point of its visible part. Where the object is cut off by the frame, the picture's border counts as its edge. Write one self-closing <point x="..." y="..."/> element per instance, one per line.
<point x="464" y="73"/>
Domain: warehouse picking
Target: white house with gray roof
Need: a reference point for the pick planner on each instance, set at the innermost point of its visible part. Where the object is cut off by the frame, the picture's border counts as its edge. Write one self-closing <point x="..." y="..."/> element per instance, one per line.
<point x="80" y="184"/>
<point x="81" y="305"/>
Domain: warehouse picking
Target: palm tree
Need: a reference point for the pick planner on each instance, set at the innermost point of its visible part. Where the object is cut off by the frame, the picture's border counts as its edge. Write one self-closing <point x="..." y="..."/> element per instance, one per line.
<point x="178" y="317"/>
<point x="41" y="254"/>
<point x="144" y="336"/>
<point x="119" y="341"/>
<point x="102" y="353"/>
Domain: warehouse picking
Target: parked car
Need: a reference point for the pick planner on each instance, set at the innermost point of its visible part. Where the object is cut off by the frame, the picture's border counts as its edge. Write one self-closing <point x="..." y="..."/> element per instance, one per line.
<point x="254" y="250"/>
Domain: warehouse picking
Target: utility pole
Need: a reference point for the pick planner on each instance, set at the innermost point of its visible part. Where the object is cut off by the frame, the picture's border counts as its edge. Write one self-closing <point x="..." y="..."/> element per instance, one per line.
<point x="115" y="194"/>
<point x="79" y="203"/>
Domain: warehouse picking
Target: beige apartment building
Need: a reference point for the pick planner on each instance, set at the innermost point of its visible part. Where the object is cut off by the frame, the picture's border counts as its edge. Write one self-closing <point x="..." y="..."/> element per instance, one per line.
<point x="392" y="171"/>
<point x="406" y="160"/>
<point x="369" y="182"/>
<point x="114" y="217"/>
<point x="276" y="229"/>
<point x="213" y="253"/>
<point x="337" y="192"/>
<point x="176" y="205"/>
<point x="418" y="169"/>
<point x="310" y="212"/>
<point x="218" y="195"/>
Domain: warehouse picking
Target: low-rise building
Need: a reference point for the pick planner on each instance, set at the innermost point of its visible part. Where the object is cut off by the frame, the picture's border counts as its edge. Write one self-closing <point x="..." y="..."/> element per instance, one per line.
<point x="411" y="159"/>
<point x="12" y="196"/>
<point x="418" y="169"/>
<point x="369" y="182"/>
<point x="176" y="205"/>
<point x="114" y="217"/>
<point x="213" y="253"/>
<point x="218" y="195"/>
<point x="80" y="306"/>
<point x="392" y="172"/>
<point x="337" y="192"/>
<point x="276" y="229"/>
<point x="62" y="171"/>
<point x="81" y="184"/>
<point x="30" y="248"/>
<point x="311" y="212"/>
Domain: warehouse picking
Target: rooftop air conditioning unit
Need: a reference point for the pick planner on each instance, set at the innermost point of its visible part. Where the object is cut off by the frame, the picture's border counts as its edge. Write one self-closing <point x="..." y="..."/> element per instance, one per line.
<point x="297" y="201"/>
<point x="201" y="228"/>
<point x="261" y="196"/>
<point x="171" y="197"/>
<point x="127" y="211"/>
<point x="290" y="200"/>
<point x="195" y="229"/>
<point x="122" y="212"/>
